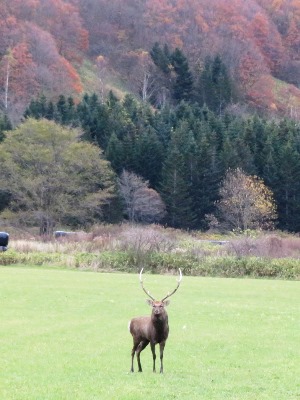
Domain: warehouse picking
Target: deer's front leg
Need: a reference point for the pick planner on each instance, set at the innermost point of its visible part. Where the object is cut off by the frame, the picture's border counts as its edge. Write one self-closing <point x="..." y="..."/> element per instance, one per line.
<point x="161" y="348"/>
<point x="153" y="355"/>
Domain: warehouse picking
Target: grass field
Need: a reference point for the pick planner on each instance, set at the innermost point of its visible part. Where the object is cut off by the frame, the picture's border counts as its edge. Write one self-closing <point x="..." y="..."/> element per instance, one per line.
<point x="63" y="335"/>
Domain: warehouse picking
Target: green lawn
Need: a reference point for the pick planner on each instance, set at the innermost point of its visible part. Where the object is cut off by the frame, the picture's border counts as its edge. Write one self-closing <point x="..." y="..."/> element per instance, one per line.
<point x="63" y="335"/>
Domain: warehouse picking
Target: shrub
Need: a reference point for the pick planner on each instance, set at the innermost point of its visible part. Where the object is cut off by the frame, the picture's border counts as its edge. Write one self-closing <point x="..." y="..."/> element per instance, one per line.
<point x="128" y="248"/>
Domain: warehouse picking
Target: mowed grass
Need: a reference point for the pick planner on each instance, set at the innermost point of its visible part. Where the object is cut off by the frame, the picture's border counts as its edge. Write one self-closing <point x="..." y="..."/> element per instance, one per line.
<point x="64" y="335"/>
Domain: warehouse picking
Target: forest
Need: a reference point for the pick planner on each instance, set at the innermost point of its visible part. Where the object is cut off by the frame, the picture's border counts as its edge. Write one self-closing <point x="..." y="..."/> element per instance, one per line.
<point x="187" y="147"/>
<point x="74" y="46"/>
<point x="185" y="89"/>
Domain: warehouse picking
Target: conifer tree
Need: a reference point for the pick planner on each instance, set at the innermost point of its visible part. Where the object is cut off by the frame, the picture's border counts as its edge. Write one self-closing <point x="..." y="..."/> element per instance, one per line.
<point x="149" y="153"/>
<point x="175" y="190"/>
<point x="183" y="84"/>
<point x="288" y="191"/>
<point x="114" y="153"/>
<point x="50" y="111"/>
<point x="215" y="88"/>
<point x="205" y="191"/>
<point x="5" y="125"/>
<point x="61" y="110"/>
<point x="161" y="57"/>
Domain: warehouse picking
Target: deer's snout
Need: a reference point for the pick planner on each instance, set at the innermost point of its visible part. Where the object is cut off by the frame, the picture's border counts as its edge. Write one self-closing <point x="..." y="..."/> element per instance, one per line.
<point x="157" y="311"/>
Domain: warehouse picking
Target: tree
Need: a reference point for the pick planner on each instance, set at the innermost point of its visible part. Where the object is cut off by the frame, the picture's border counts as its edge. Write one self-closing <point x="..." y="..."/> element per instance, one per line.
<point x="52" y="177"/>
<point x="215" y="88"/>
<point x="149" y="154"/>
<point x="246" y="203"/>
<point x="175" y="190"/>
<point x="18" y="74"/>
<point x="141" y="203"/>
<point x="161" y="58"/>
<point x="287" y="190"/>
<point x="183" y="85"/>
<point x="5" y="125"/>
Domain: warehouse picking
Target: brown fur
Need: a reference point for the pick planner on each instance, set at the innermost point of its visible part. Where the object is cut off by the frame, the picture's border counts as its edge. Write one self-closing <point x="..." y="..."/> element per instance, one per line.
<point x="152" y="329"/>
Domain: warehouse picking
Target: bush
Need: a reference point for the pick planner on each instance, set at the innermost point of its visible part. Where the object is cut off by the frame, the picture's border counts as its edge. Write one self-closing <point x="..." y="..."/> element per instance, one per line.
<point x="128" y="248"/>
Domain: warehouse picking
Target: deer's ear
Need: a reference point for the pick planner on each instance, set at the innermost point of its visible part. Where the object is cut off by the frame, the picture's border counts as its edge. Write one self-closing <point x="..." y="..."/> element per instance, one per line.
<point x="150" y="302"/>
<point x="166" y="303"/>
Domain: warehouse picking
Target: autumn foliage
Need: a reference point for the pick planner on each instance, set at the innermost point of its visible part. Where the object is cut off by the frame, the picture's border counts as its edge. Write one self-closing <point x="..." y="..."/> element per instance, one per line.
<point x="43" y="42"/>
<point x="246" y="203"/>
<point x="40" y="40"/>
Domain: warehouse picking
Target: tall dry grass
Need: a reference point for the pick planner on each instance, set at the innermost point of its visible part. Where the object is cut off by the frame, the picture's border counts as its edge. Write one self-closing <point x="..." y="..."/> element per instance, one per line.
<point x="270" y="246"/>
<point x="128" y="247"/>
<point x="154" y="238"/>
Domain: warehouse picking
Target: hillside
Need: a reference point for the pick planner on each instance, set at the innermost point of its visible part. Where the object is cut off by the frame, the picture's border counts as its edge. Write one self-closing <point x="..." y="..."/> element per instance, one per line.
<point x="46" y="46"/>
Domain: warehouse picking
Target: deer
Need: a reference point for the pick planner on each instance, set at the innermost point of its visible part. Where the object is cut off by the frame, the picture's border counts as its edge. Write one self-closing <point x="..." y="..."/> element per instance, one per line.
<point x="153" y="329"/>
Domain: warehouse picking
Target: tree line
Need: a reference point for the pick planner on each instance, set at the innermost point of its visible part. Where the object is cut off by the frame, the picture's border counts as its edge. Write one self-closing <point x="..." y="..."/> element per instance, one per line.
<point x="184" y="151"/>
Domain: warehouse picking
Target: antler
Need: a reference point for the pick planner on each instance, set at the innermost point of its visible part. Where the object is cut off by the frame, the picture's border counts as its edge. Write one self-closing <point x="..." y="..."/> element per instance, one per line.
<point x="178" y="284"/>
<point x="142" y="284"/>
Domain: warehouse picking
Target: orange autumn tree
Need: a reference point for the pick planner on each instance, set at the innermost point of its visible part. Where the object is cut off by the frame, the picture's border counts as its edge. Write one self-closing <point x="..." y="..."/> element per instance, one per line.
<point x="63" y="21"/>
<point x="18" y="82"/>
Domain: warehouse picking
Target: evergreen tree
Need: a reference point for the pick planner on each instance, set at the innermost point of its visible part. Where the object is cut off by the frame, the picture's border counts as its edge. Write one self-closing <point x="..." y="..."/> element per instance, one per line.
<point x="100" y="125"/>
<point x="175" y="190"/>
<point x="287" y="194"/>
<point x="37" y="108"/>
<point x="228" y="155"/>
<point x="71" y="118"/>
<point x="111" y="100"/>
<point x="183" y="84"/>
<point x="162" y="123"/>
<point x="208" y="178"/>
<point x="161" y="57"/>
<point x="129" y="148"/>
<point x="269" y="171"/>
<point x="149" y="156"/>
<point x="114" y="153"/>
<point x="5" y="125"/>
<point x="61" y="110"/>
<point x="215" y="88"/>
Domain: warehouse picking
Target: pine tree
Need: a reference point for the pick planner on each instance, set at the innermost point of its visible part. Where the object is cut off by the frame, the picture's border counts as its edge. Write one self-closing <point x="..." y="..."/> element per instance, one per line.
<point x="50" y="111"/>
<point x="149" y="155"/>
<point x="183" y="84"/>
<point x="288" y="193"/>
<point x="161" y="57"/>
<point x="114" y="153"/>
<point x="208" y="178"/>
<point x="61" y="110"/>
<point x="175" y="190"/>
<point x="5" y="125"/>
<point x="112" y="99"/>
<point x="215" y="88"/>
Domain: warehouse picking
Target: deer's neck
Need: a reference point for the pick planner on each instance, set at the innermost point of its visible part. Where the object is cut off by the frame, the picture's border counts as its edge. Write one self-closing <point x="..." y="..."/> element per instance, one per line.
<point x="160" y="323"/>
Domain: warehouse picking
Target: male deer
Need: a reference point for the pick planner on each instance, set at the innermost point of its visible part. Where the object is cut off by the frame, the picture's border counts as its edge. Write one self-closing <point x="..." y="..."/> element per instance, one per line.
<point x="152" y="329"/>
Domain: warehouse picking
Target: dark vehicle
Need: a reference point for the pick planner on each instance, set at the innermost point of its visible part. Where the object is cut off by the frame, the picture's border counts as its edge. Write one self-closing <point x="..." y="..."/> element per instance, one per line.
<point x="4" y="237"/>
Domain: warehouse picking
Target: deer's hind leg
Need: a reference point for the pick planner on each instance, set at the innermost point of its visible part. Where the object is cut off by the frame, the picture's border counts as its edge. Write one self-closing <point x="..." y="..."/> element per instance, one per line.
<point x="135" y="345"/>
<point x="140" y="347"/>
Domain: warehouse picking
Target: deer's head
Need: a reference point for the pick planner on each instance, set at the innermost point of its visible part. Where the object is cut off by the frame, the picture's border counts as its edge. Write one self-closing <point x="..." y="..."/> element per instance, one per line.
<point x="158" y="306"/>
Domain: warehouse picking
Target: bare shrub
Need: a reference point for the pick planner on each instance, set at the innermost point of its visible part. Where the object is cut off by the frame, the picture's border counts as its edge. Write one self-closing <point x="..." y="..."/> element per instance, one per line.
<point x="141" y="203"/>
<point x="148" y="239"/>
